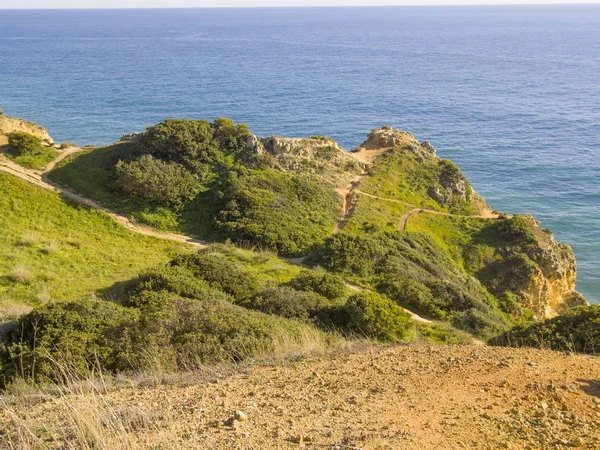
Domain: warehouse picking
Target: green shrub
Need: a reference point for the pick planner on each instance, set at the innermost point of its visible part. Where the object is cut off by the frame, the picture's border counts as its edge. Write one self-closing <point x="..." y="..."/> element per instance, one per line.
<point x="376" y="316"/>
<point x="278" y="211"/>
<point x="232" y="138"/>
<point x="178" y="280"/>
<point x="287" y="302"/>
<point x="517" y="230"/>
<point x="320" y="282"/>
<point x="74" y="335"/>
<point x="22" y="143"/>
<point x="183" y="334"/>
<point x="186" y="142"/>
<point x="220" y="273"/>
<point x="164" y="183"/>
<point x="578" y="330"/>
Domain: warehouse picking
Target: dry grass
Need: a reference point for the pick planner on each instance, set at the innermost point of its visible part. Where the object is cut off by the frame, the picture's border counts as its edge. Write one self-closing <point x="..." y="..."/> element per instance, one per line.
<point x="29" y="240"/>
<point x="81" y="412"/>
<point x="21" y="274"/>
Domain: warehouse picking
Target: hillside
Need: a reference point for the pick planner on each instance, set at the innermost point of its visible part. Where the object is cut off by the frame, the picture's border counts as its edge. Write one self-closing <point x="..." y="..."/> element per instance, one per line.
<point x="401" y="397"/>
<point x="197" y="246"/>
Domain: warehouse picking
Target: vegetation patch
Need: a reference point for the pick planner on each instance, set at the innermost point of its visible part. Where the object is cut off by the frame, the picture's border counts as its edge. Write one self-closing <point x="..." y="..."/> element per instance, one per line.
<point x="52" y="249"/>
<point x="27" y="150"/>
<point x="578" y="330"/>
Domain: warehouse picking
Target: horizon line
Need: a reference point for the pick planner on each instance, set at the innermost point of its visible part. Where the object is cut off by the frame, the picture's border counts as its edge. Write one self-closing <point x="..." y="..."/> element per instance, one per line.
<point x="433" y="5"/>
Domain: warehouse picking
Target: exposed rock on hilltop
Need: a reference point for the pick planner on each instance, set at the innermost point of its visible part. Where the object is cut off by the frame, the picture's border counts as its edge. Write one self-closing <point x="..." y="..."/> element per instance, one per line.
<point x="9" y="125"/>
<point x="316" y="155"/>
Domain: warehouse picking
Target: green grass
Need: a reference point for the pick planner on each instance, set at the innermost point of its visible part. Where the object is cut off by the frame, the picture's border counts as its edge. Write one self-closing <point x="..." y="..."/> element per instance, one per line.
<point x="459" y="236"/>
<point x="54" y="250"/>
<point x="264" y="266"/>
<point x="37" y="160"/>
<point x="372" y="214"/>
<point x="401" y="175"/>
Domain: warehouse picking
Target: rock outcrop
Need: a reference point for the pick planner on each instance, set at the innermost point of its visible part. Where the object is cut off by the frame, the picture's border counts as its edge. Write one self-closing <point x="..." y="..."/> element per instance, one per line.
<point x="550" y="290"/>
<point x="9" y="125"/>
<point x="316" y="155"/>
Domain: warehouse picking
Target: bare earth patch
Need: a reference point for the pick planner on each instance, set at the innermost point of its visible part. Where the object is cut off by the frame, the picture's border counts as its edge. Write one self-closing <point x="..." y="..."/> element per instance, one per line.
<point x="413" y="397"/>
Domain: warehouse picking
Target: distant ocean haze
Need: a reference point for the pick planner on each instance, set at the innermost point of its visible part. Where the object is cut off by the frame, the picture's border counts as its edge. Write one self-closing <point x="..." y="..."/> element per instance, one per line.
<point x="509" y="93"/>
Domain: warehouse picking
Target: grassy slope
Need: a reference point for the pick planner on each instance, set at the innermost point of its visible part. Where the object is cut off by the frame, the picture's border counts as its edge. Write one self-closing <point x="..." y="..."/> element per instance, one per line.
<point x="55" y="250"/>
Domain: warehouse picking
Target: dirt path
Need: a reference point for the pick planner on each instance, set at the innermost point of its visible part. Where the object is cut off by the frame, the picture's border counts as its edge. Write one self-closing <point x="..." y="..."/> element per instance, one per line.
<point x="485" y="214"/>
<point x="416" y="397"/>
<point x="40" y="179"/>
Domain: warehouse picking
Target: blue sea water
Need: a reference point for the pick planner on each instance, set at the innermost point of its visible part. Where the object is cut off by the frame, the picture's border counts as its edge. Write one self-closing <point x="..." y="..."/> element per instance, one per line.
<point x="510" y="93"/>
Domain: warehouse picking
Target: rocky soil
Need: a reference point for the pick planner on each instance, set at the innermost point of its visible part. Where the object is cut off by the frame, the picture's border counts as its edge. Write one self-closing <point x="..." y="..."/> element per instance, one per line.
<point x="402" y="397"/>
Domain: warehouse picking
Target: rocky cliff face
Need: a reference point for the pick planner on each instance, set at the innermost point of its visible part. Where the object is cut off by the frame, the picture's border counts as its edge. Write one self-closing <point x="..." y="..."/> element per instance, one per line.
<point x="550" y="290"/>
<point x="9" y="125"/>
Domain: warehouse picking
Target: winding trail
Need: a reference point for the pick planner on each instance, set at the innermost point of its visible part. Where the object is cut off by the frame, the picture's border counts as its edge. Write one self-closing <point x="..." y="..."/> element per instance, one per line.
<point x="486" y="214"/>
<point x="40" y="178"/>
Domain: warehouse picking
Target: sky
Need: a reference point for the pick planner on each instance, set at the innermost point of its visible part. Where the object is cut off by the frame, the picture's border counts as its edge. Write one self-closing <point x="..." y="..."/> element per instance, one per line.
<point x="10" y="4"/>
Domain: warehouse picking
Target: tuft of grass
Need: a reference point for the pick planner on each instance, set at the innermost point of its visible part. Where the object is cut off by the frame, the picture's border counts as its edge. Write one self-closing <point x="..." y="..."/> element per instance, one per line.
<point x="29" y="239"/>
<point x="21" y="274"/>
<point x="51" y="247"/>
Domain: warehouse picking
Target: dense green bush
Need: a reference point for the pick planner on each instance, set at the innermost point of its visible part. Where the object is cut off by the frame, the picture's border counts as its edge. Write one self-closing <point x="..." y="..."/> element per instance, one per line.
<point x="177" y="333"/>
<point x="578" y="330"/>
<point x="69" y="336"/>
<point x="232" y="138"/>
<point x="376" y="316"/>
<point x="164" y="332"/>
<point x="320" y="282"/>
<point x="164" y="183"/>
<point x="176" y="279"/>
<point x="220" y="273"/>
<point x="278" y="211"/>
<point x="288" y="302"/>
<point x="414" y="271"/>
<point x="22" y="143"/>
<point x="187" y="142"/>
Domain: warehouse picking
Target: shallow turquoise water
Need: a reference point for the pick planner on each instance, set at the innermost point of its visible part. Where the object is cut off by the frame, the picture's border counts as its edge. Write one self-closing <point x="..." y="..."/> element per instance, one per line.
<point x="509" y="93"/>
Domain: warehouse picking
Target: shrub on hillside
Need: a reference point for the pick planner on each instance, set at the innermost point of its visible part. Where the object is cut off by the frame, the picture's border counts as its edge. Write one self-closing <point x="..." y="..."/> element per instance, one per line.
<point x="73" y="334"/>
<point x="232" y="138"/>
<point x="277" y="211"/>
<point x="186" y="142"/>
<point x="220" y="273"/>
<point x="320" y="282"/>
<point x="164" y="183"/>
<point x="178" y="280"/>
<point x="578" y="330"/>
<point x="22" y="143"/>
<point x="378" y="317"/>
<point x="287" y="302"/>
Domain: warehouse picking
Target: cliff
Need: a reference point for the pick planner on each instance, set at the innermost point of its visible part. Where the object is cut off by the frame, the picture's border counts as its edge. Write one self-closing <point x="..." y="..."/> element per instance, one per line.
<point x="9" y="125"/>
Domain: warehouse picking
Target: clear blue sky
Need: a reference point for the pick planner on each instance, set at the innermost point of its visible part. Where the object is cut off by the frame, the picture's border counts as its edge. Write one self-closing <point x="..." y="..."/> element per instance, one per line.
<point x="247" y="3"/>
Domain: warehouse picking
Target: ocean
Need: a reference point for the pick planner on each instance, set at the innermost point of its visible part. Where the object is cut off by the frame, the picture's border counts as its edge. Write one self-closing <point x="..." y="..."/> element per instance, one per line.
<point x="510" y="93"/>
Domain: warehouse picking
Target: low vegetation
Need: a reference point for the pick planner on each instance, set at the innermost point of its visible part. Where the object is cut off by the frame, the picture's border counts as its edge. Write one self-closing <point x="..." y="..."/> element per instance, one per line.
<point x="578" y="330"/>
<point x="53" y="249"/>
<point x="192" y="176"/>
<point x="27" y="150"/>
<point x="200" y="308"/>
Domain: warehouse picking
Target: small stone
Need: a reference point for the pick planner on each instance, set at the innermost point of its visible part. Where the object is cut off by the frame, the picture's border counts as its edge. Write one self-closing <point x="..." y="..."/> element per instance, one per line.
<point x="239" y="415"/>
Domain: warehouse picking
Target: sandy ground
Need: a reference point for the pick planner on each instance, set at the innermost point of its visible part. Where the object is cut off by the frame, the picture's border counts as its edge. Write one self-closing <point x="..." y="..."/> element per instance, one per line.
<point x="402" y="397"/>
